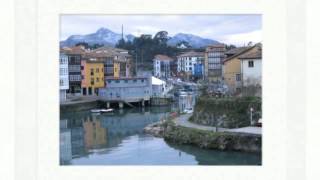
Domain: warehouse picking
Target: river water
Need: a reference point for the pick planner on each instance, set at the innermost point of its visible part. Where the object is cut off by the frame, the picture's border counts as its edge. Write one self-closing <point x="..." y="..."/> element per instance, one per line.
<point x="118" y="139"/>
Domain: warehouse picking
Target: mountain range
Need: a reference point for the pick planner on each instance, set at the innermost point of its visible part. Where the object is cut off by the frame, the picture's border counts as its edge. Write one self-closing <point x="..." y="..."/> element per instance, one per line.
<point x="107" y="37"/>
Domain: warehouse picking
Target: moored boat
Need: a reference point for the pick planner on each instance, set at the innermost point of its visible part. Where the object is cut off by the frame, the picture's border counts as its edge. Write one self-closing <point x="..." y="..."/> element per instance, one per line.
<point x="106" y="110"/>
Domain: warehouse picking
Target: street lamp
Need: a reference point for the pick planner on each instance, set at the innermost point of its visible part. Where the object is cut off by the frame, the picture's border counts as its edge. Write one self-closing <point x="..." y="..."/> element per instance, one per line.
<point x="251" y="121"/>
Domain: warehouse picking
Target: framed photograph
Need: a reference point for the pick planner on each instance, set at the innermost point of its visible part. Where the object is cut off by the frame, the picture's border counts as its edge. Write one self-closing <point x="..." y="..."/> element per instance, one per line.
<point x="157" y="90"/>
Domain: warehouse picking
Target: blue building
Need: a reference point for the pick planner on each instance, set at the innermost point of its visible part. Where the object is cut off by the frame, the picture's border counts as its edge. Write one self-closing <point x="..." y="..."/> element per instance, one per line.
<point x="133" y="89"/>
<point x="198" y="70"/>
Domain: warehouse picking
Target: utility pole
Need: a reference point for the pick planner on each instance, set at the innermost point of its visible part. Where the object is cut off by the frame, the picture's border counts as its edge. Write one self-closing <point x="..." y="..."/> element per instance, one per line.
<point x="136" y="62"/>
<point x="122" y="31"/>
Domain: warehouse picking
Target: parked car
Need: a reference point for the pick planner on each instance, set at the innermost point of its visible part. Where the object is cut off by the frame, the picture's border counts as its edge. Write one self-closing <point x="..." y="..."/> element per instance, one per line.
<point x="188" y="111"/>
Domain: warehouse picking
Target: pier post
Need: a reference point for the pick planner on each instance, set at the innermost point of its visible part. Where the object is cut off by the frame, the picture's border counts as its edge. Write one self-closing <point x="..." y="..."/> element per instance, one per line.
<point x="120" y="105"/>
<point x="142" y="103"/>
<point x="108" y="104"/>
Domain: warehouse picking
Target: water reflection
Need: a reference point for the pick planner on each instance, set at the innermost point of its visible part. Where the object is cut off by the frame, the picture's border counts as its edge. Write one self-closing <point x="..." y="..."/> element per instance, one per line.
<point x="82" y="133"/>
<point x="118" y="139"/>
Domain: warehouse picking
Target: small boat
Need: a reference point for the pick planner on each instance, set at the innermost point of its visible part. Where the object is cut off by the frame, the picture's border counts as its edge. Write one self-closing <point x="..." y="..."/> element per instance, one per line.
<point x="106" y="110"/>
<point x="95" y="110"/>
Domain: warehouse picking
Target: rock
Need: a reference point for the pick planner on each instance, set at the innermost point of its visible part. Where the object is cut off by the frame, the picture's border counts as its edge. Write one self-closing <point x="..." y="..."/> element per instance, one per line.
<point x="155" y="129"/>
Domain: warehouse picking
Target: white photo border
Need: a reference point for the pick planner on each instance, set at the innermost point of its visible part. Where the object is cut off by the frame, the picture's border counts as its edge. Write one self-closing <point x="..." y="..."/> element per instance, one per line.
<point x="39" y="59"/>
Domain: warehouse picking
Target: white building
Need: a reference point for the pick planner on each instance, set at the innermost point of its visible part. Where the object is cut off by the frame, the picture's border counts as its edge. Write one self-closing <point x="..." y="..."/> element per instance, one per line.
<point x="159" y="87"/>
<point x="162" y="66"/>
<point x="251" y="67"/>
<point x="64" y="76"/>
<point x="187" y="62"/>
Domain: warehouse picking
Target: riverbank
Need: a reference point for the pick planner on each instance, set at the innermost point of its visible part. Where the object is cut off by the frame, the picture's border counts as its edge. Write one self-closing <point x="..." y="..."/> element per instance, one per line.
<point x="174" y="132"/>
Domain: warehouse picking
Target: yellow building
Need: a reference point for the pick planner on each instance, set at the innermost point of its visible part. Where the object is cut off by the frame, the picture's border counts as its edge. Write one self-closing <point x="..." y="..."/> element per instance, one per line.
<point x="92" y="75"/>
<point x="232" y="68"/>
<point x="117" y="62"/>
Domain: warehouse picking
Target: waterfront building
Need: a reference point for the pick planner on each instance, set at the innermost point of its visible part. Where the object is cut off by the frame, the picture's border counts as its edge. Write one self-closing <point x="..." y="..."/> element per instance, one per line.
<point x="75" y="55"/>
<point x="214" y="56"/>
<point x="63" y="76"/>
<point x="132" y="89"/>
<point x="191" y="63"/>
<point x="117" y="62"/>
<point x="162" y="65"/>
<point x="92" y="75"/>
<point x="232" y="67"/>
<point x="251" y="66"/>
<point x="159" y="87"/>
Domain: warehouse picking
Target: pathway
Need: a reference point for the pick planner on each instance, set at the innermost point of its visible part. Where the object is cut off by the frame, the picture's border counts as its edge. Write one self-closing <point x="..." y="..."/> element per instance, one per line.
<point x="182" y="120"/>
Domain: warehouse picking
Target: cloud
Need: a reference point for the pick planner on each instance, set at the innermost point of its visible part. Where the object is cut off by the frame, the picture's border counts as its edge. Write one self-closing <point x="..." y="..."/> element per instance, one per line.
<point x="242" y="38"/>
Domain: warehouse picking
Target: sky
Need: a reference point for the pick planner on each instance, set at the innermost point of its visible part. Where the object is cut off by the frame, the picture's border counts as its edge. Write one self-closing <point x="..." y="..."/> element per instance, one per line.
<point x="229" y="29"/>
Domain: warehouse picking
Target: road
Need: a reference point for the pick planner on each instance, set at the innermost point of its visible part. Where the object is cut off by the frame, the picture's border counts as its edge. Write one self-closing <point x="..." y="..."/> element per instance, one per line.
<point x="183" y="121"/>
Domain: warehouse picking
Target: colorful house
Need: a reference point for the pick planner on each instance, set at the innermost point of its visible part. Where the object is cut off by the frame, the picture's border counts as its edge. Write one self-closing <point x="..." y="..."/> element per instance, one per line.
<point x="191" y="63"/>
<point x="232" y="71"/>
<point x="117" y="62"/>
<point x="92" y="75"/>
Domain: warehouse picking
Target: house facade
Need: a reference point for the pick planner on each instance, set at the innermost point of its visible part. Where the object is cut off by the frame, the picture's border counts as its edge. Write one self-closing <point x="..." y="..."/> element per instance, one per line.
<point x="63" y="76"/>
<point x="117" y="62"/>
<point x="75" y="55"/>
<point x="214" y="56"/>
<point x="232" y="74"/>
<point x="192" y="63"/>
<point x="251" y="67"/>
<point x="162" y="65"/>
<point x="92" y="77"/>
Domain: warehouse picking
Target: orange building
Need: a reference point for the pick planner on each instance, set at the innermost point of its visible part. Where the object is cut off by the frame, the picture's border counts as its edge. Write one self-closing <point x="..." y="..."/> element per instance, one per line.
<point x="92" y="76"/>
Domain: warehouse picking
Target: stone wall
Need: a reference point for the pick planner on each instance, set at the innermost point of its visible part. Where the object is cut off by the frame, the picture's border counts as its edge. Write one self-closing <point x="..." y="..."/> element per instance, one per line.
<point x="213" y="140"/>
<point x="226" y="112"/>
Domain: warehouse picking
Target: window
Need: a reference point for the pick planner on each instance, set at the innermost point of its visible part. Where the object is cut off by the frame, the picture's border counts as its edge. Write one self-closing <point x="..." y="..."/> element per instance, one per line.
<point x="82" y="67"/>
<point x="92" y="81"/>
<point x="238" y="77"/>
<point x="190" y="68"/>
<point x="97" y="70"/>
<point x="117" y="81"/>
<point x="250" y="64"/>
<point x="91" y="72"/>
<point x="97" y="79"/>
<point x="142" y="80"/>
<point x="126" y="81"/>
